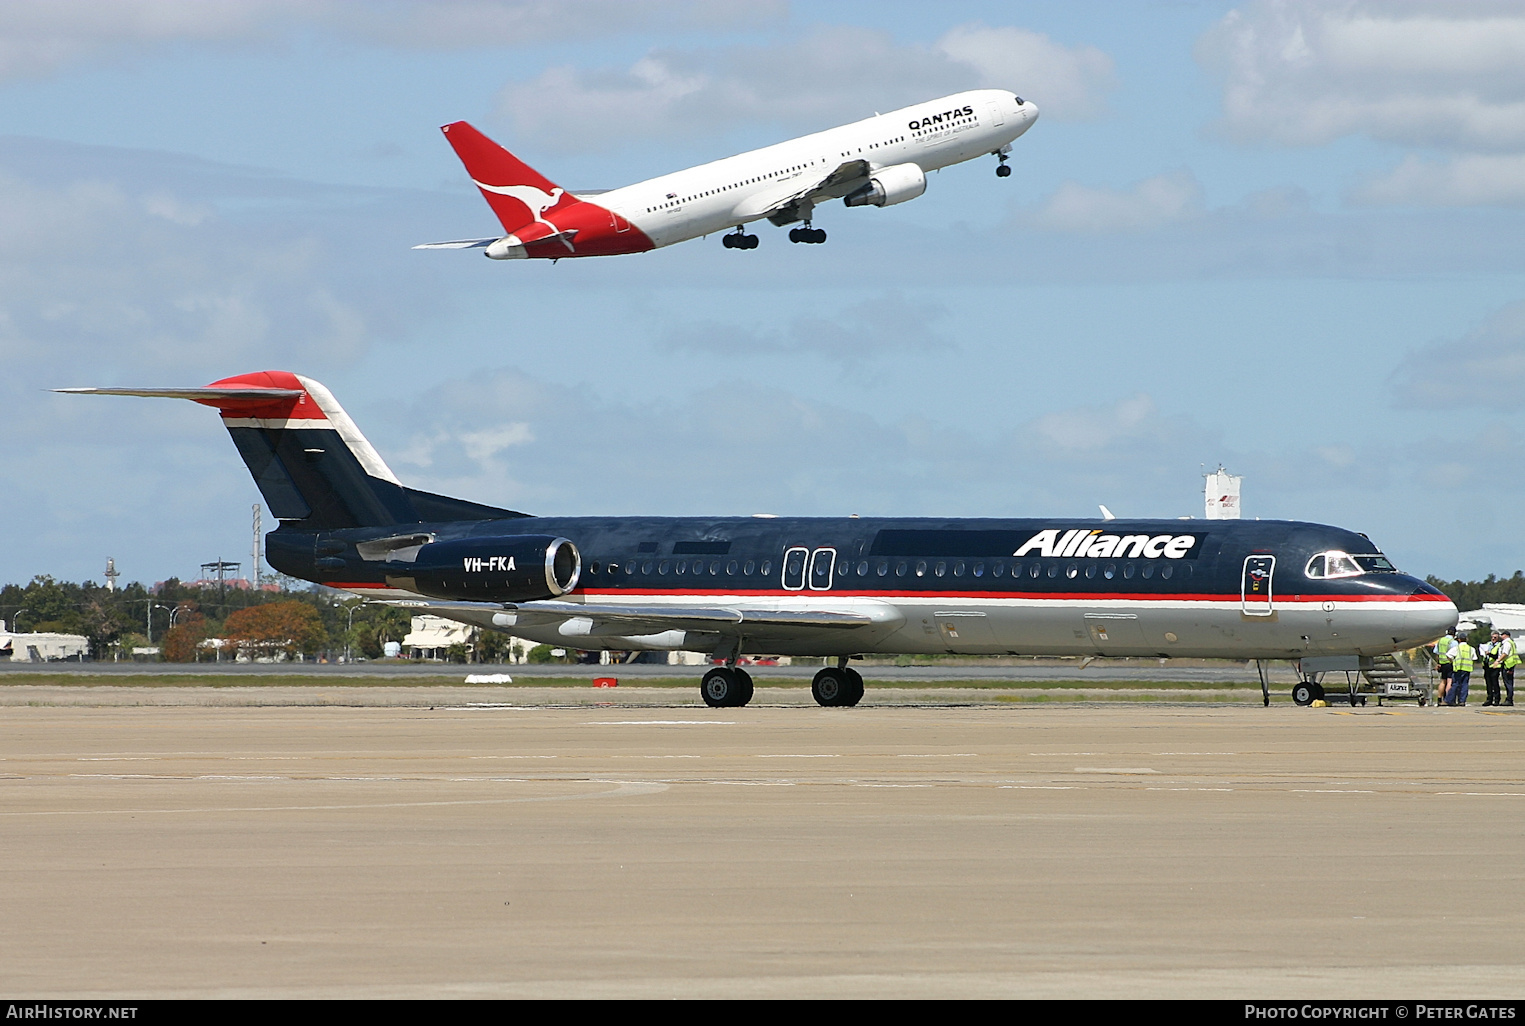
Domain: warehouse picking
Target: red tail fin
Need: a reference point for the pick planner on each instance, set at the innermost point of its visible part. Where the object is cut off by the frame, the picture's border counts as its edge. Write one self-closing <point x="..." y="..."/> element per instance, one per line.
<point x="517" y="193"/>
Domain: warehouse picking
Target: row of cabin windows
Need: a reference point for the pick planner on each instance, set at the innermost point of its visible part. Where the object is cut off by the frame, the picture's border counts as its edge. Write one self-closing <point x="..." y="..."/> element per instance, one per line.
<point x="725" y="188"/>
<point x="946" y="125"/>
<point x="902" y="568"/>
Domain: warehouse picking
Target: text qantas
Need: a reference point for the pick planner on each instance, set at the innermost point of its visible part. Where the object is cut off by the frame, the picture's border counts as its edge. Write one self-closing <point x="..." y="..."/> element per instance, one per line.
<point x="937" y="119"/>
<point x="1096" y="545"/>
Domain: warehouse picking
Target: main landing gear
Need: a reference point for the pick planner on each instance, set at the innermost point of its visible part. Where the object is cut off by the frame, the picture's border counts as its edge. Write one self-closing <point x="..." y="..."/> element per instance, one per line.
<point x="807" y="234"/>
<point x="727" y="687"/>
<point x="739" y="240"/>
<point x="837" y="685"/>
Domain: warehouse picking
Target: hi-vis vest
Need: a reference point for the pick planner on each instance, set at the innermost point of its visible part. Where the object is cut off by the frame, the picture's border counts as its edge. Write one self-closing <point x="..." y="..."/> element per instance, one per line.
<point x="1445" y="649"/>
<point x="1461" y="658"/>
<point x="1511" y="654"/>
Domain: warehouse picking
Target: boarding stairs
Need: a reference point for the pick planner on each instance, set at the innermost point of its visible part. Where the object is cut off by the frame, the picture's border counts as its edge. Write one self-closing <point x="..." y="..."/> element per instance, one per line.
<point x="1391" y="676"/>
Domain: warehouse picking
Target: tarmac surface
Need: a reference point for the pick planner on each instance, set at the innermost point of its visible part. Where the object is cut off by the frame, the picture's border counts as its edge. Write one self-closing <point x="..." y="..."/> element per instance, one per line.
<point x="480" y="848"/>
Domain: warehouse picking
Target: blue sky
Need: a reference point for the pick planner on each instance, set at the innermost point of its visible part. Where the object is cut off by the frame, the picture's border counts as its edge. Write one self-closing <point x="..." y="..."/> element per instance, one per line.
<point x="1282" y="236"/>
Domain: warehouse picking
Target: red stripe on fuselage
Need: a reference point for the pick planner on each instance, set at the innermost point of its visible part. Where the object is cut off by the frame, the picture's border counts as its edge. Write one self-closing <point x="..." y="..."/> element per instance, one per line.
<point x="1069" y="596"/>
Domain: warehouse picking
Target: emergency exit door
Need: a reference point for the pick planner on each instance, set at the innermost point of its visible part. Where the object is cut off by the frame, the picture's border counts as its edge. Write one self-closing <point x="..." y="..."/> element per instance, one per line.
<point x="1255" y="586"/>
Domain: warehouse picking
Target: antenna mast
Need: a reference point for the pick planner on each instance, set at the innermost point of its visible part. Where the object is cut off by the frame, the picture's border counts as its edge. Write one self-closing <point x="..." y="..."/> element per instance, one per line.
<point x="255" y="551"/>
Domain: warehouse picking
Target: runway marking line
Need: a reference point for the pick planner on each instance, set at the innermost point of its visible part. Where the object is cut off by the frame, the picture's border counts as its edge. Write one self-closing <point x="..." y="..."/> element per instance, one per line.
<point x="658" y="723"/>
<point x="623" y="788"/>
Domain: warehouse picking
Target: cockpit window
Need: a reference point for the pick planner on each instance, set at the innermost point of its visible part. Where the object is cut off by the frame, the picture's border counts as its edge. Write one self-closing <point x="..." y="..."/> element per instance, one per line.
<point x="1342" y="564"/>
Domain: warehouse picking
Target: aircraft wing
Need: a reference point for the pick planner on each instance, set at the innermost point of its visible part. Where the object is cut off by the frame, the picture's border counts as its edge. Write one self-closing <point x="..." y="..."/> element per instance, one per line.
<point x="844" y="178"/>
<point x="588" y="619"/>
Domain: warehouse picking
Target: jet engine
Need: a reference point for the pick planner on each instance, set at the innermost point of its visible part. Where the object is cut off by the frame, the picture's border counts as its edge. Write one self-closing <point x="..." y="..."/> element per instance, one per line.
<point x="888" y="186"/>
<point x="516" y="568"/>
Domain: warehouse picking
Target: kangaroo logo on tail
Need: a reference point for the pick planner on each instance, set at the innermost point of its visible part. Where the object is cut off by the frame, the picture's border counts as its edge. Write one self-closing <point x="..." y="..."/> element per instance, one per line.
<point x="537" y="201"/>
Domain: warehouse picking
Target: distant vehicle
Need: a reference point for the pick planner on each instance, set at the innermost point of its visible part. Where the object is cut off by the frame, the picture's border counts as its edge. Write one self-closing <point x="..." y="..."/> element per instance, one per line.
<point x="817" y="586"/>
<point x="877" y="162"/>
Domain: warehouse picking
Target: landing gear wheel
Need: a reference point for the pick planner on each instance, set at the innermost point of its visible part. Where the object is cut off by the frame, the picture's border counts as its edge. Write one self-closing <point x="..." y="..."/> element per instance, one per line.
<point x="1003" y="171"/>
<point x="855" y="679"/>
<point x="808" y="234"/>
<point x="1304" y="692"/>
<point x="744" y="681"/>
<point x="739" y="240"/>
<point x="722" y="688"/>
<point x="833" y="687"/>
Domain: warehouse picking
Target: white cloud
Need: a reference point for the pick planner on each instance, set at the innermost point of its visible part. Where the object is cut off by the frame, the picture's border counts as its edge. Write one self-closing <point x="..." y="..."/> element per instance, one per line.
<point x="1468" y="180"/>
<point x="1484" y="367"/>
<point x="1148" y="204"/>
<point x="38" y="37"/>
<point x="1126" y="423"/>
<point x="829" y="75"/>
<point x="1437" y="73"/>
<point x="1072" y="81"/>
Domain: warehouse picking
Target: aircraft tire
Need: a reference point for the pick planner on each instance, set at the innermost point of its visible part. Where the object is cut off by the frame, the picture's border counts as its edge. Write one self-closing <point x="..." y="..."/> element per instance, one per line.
<point x="1003" y="171"/>
<point x="751" y="242"/>
<point x="818" y="235"/>
<point x="744" y="680"/>
<point x="855" y="680"/>
<point x="1303" y="692"/>
<point x="721" y="689"/>
<point x="831" y="687"/>
<point x="794" y="235"/>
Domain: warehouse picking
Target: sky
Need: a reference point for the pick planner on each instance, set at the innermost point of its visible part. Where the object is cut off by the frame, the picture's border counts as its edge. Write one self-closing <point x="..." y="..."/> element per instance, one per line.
<point x="1285" y="237"/>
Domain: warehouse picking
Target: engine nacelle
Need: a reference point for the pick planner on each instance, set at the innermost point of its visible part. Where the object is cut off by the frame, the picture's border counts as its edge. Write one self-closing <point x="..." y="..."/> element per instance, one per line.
<point x="888" y="186"/>
<point x="515" y="568"/>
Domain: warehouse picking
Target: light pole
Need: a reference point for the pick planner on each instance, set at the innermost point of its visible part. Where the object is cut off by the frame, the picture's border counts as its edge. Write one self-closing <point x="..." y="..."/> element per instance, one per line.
<point x="149" y="616"/>
<point x="350" y="628"/>
<point x="16" y="621"/>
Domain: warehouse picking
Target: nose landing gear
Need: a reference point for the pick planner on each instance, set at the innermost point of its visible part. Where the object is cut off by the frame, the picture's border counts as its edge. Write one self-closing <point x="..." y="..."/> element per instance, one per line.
<point x="739" y="240"/>
<point x="1003" y="170"/>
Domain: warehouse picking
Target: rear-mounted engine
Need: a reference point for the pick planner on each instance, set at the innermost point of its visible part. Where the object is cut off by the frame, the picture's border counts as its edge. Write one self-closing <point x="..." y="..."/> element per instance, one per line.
<point x="512" y="569"/>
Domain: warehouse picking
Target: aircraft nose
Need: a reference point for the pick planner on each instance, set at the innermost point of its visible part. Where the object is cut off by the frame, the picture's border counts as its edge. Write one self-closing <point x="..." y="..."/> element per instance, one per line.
<point x="1430" y="619"/>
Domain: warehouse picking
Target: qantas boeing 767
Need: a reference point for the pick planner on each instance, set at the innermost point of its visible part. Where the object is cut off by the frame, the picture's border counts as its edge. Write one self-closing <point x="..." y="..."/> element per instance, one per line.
<point x="877" y="162"/>
<point x="820" y="586"/>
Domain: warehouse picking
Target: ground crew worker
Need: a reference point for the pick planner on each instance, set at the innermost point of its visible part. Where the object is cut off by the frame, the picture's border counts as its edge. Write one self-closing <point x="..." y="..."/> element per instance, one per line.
<point x="1444" y="647"/>
<point x="1462" y="657"/>
<point x="1511" y="660"/>
<point x="1493" y="667"/>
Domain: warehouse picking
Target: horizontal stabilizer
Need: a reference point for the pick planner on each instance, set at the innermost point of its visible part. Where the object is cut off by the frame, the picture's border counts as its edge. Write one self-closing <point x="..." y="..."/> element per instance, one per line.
<point x="220" y="397"/>
<point x="459" y="244"/>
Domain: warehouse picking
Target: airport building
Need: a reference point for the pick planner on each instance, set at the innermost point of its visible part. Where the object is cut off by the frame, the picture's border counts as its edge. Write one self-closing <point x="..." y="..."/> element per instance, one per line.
<point x="42" y="647"/>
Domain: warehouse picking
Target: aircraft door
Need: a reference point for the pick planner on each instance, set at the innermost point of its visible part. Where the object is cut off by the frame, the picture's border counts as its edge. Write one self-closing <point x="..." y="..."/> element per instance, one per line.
<point x="795" y="561"/>
<point x="822" y="562"/>
<point x="1255" y="587"/>
<point x="997" y="115"/>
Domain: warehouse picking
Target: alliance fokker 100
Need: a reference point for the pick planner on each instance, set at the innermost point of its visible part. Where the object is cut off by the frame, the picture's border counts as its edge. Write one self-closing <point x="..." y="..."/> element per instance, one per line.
<point x="878" y="162"/>
<point x="819" y="586"/>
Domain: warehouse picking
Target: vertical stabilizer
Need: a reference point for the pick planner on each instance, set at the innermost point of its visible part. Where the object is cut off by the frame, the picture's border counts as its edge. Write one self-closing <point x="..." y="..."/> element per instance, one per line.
<point x="517" y="193"/>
